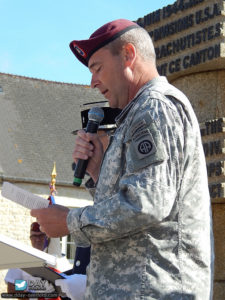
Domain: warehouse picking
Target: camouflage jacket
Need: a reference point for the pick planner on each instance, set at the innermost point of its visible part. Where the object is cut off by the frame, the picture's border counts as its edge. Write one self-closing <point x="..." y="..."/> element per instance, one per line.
<point x="150" y="226"/>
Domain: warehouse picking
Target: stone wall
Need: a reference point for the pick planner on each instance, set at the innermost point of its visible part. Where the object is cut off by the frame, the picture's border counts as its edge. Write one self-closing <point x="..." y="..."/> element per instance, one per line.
<point x="206" y="91"/>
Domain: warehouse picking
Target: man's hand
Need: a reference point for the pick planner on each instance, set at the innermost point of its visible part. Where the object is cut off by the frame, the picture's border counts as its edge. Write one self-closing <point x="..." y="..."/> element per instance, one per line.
<point x="52" y="220"/>
<point x="89" y="146"/>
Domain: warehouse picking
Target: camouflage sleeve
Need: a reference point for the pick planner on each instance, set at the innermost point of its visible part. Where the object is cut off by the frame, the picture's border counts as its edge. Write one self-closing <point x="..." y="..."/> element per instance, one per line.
<point x="148" y="188"/>
<point x="74" y="225"/>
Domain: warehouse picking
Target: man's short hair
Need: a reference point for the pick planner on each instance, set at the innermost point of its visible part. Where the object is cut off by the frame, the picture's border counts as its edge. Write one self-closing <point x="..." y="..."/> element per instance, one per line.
<point x="140" y="38"/>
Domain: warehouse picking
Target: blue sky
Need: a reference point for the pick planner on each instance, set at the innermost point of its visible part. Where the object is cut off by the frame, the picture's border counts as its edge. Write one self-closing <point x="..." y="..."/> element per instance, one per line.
<point x="35" y="34"/>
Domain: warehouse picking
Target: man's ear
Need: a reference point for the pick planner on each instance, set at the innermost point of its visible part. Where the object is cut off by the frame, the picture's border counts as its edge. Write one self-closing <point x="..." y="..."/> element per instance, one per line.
<point x="130" y="54"/>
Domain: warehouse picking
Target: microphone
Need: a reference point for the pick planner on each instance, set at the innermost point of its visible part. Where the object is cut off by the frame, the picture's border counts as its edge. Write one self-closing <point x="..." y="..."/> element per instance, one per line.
<point x="95" y="116"/>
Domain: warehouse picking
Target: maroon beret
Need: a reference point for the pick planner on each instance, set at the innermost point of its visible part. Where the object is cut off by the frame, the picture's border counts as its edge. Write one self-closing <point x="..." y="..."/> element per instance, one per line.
<point x="84" y="49"/>
<point x="35" y="227"/>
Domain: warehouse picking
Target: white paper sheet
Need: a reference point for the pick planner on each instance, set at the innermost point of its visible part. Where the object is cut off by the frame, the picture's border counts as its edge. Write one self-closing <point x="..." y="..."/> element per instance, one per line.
<point x="22" y="197"/>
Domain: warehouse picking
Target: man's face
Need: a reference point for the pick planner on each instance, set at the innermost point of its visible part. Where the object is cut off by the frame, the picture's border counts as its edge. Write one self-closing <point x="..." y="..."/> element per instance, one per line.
<point x="38" y="240"/>
<point x="109" y="76"/>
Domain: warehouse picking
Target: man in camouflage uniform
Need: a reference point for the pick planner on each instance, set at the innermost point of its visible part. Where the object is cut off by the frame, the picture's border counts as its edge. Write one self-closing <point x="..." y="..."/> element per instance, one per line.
<point x="150" y="226"/>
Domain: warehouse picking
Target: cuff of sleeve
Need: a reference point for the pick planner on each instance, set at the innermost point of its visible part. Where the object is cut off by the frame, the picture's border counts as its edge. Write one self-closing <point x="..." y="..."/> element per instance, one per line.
<point x="75" y="227"/>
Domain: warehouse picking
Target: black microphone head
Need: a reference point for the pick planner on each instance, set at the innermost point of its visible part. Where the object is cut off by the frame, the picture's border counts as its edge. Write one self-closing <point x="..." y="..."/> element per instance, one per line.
<point x="96" y="114"/>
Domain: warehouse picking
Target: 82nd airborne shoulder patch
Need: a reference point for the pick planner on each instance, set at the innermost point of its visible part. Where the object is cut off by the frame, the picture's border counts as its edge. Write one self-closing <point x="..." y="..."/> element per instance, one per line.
<point x="143" y="143"/>
<point x="146" y="146"/>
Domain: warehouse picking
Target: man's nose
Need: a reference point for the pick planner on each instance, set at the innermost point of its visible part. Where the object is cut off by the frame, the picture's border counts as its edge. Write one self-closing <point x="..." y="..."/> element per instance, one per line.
<point x="94" y="82"/>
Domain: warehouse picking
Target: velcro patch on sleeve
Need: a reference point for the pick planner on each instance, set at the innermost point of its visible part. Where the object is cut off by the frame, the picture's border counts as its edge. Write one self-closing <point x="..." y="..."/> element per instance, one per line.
<point x="145" y="144"/>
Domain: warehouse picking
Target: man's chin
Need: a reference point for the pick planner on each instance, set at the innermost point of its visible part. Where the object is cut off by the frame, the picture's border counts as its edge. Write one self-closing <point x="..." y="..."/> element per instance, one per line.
<point x="113" y="104"/>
